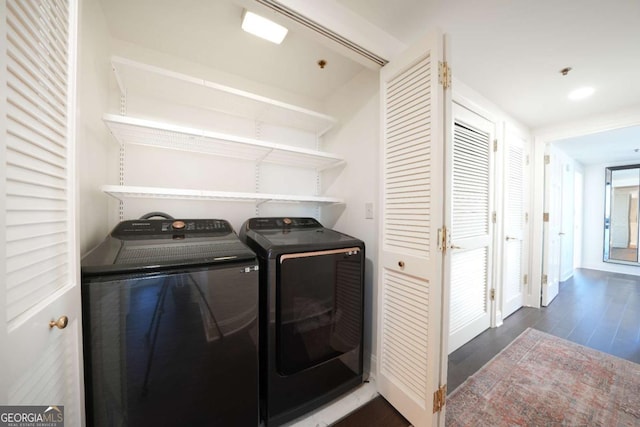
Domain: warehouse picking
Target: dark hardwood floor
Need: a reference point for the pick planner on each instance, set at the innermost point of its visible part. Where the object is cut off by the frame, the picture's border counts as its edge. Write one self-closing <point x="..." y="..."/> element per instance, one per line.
<point x="377" y="413"/>
<point x="594" y="308"/>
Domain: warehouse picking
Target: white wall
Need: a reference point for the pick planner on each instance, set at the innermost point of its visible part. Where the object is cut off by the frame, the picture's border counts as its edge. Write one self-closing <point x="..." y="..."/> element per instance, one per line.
<point x="593" y="220"/>
<point x="356" y="105"/>
<point x="96" y="153"/>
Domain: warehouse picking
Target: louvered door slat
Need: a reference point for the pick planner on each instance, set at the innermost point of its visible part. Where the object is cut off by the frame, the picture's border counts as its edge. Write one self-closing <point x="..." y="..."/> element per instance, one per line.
<point x="27" y="51"/>
<point x="33" y="16"/>
<point x="43" y="100"/>
<point x="470" y="183"/>
<point x="36" y="156"/>
<point x="22" y="122"/>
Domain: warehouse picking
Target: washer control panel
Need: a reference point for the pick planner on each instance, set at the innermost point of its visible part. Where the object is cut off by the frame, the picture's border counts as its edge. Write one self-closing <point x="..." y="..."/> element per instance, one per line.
<point x="150" y="228"/>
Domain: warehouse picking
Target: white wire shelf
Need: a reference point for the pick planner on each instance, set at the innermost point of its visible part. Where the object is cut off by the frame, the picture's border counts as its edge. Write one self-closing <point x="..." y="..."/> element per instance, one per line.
<point x="137" y="77"/>
<point x="130" y="130"/>
<point x="122" y="192"/>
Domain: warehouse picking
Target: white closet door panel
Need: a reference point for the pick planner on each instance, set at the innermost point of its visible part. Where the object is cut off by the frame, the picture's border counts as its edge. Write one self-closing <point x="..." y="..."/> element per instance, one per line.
<point x="512" y="291"/>
<point x="468" y="288"/>
<point x="513" y="269"/>
<point x="41" y="365"/>
<point x="410" y="358"/>
<point x="471" y="233"/>
<point x="552" y="227"/>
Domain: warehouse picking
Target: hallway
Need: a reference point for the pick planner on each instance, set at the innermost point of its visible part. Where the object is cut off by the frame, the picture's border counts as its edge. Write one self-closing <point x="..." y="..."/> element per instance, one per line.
<point x="593" y="308"/>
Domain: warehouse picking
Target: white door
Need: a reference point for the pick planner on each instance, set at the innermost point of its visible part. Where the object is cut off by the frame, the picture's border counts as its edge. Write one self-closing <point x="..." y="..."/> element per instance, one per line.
<point x="411" y="358"/>
<point x="469" y="267"/>
<point x="552" y="226"/>
<point x="566" y="221"/>
<point x="514" y="244"/>
<point x="40" y="365"/>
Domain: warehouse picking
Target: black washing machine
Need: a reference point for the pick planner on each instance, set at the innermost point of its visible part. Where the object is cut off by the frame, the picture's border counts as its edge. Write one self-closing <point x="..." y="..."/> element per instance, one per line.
<point x="170" y="328"/>
<point x="311" y="314"/>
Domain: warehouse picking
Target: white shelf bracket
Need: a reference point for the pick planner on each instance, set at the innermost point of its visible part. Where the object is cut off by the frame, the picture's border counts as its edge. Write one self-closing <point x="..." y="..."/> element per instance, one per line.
<point x="264" y="157"/>
<point x="118" y="76"/>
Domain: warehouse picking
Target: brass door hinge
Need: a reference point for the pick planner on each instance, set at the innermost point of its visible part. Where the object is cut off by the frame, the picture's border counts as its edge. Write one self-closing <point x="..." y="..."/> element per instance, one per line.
<point x="545" y="217"/>
<point x="443" y="239"/>
<point x="439" y="398"/>
<point x="493" y="294"/>
<point x="494" y="217"/>
<point x="547" y="159"/>
<point x="495" y="145"/>
<point x="525" y="279"/>
<point x="444" y="74"/>
<point x="545" y="279"/>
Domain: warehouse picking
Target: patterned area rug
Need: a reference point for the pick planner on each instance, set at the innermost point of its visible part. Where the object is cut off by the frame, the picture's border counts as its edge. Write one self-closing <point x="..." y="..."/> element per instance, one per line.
<point x="542" y="380"/>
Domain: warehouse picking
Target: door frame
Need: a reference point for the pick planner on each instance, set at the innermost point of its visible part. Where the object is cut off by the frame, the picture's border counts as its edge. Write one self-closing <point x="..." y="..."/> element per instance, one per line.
<point x="542" y="136"/>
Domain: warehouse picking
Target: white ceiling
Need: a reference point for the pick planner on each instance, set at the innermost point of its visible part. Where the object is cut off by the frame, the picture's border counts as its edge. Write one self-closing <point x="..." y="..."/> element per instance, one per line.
<point x="615" y="146"/>
<point x="510" y="51"/>
<point x="208" y="32"/>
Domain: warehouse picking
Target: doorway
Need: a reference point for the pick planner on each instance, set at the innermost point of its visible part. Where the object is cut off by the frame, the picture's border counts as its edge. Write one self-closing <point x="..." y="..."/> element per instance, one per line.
<point x="592" y="145"/>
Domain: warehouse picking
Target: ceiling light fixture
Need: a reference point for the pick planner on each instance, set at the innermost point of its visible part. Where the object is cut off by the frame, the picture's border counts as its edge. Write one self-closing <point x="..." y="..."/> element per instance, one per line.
<point x="565" y="70"/>
<point x="581" y="93"/>
<point x="263" y="27"/>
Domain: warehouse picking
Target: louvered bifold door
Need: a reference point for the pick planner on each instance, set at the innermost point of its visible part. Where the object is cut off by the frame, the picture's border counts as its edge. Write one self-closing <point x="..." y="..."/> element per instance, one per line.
<point x="40" y="260"/>
<point x="471" y="230"/>
<point x="410" y="285"/>
<point x="513" y="259"/>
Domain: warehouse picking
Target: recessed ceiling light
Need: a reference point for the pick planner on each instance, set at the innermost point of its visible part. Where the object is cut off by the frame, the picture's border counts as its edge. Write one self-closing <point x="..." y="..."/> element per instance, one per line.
<point x="263" y="27"/>
<point x="582" y="93"/>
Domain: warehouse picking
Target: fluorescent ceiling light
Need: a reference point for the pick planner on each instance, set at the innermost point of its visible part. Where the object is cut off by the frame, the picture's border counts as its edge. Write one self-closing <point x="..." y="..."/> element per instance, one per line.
<point x="262" y="27"/>
<point x="582" y="93"/>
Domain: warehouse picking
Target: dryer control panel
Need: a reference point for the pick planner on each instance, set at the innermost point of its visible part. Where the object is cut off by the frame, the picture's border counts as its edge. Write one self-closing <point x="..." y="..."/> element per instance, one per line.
<point x="281" y="222"/>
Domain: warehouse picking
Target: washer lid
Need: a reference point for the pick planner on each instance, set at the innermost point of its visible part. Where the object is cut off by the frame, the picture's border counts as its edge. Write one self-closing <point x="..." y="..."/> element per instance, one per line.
<point x="148" y="245"/>
<point x="292" y="234"/>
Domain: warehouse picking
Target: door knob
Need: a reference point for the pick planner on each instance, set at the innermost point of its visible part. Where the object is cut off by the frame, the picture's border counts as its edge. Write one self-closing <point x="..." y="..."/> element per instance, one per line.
<point x="511" y="238"/>
<point x="61" y="323"/>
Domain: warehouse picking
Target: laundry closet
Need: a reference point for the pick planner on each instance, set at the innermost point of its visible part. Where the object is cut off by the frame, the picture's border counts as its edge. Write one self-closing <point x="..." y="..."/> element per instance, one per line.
<point x="192" y="141"/>
<point x="174" y="116"/>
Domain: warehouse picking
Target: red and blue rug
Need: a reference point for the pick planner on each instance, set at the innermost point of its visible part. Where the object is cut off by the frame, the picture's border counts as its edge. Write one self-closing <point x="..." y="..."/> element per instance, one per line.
<point x="543" y="380"/>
